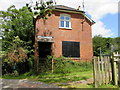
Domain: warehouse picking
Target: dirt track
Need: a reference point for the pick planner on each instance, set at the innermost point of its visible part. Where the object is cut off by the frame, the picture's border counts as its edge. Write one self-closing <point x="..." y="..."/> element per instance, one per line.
<point x="23" y="83"/>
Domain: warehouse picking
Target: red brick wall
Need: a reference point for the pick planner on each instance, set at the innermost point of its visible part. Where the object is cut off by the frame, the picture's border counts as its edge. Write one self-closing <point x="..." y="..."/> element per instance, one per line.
<point x="51" y="27"/>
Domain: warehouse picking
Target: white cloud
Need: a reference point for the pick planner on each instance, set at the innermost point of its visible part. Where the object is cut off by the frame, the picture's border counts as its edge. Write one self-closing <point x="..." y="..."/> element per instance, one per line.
<point x="4" y="4"/>
<point x="96" y="8"/>
<point x="100" y="28"/>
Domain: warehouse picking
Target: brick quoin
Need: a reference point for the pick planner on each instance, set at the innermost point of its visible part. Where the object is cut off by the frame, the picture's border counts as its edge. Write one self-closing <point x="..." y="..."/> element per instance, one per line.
<point x="79" y="33"/>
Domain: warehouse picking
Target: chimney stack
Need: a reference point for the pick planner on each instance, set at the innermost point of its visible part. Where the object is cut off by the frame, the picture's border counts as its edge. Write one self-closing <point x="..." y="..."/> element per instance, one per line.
<point x="78" y="8"/>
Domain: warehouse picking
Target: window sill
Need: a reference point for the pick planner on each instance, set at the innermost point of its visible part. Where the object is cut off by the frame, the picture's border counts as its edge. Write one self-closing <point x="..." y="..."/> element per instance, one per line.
<point x="77" y="58"/>
<point x="65" y="28"/>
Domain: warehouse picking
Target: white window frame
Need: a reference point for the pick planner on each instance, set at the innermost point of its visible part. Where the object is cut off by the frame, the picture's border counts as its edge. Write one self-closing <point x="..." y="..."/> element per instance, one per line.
<point x="65" y="15"/>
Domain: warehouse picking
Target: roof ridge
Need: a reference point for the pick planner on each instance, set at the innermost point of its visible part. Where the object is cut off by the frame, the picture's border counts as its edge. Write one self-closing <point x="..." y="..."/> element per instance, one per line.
<point x="66" y="6"/>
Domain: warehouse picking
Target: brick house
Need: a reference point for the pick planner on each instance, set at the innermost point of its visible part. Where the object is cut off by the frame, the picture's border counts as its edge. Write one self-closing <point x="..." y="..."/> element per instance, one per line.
<point x="67" y="32"/>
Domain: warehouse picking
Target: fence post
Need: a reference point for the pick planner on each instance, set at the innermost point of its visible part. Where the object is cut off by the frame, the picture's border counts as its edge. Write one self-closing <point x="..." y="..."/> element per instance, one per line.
<point x="95" y="72"/>
<point x="109" y="69"/>
<point x="102" y="67"/>
<point x="99" y="71"/>
<point x="105" y="65"/>
<point x="114" y="71"/>
<point x="119" y="71"/>
<point x="52" y="65"/>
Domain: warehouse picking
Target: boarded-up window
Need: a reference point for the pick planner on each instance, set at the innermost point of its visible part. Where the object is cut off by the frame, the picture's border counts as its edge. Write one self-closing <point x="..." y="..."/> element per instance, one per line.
<point x="70" y="49"/>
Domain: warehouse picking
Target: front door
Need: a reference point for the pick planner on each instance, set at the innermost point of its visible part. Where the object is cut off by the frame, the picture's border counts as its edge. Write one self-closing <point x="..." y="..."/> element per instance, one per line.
<point x="44" y="49"/>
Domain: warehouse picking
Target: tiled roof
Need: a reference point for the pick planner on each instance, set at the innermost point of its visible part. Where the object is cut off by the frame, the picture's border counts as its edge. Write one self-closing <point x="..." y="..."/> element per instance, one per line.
<point x="65" y="8"/>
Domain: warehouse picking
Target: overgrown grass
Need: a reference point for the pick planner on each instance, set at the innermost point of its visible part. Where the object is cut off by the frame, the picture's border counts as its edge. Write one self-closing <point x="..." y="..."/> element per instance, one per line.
<point x="63" y="65"/>
<point x="61" y="78"/>
<point x="54" y="77"/>
<point x="58" y="78"/>
<point x="108" y="86"/>
<point x="64" y="71"/>
<point x="89" y="86"/>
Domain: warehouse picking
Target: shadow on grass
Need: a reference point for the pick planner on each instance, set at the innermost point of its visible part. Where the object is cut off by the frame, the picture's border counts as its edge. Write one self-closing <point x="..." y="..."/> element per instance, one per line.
<point x="62" y="79"/>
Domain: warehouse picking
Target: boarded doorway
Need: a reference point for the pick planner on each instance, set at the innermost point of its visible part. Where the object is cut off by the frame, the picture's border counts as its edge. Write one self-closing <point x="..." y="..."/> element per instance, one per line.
<point x="45" y="49"/>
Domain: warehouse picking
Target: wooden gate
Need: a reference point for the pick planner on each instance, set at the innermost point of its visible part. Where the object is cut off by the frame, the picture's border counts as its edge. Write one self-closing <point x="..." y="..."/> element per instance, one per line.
<point x="106" y="69"/>
<point x="102" y="70"/>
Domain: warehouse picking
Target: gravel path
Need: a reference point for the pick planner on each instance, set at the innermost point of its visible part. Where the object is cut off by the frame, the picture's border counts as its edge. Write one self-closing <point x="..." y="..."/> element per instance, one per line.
<point x="82" y="82"/>
<point x="23" y="83"/>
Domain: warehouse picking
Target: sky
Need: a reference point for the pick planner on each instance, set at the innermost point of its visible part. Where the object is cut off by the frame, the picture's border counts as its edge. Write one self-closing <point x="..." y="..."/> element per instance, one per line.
<point x="103" y="12"/>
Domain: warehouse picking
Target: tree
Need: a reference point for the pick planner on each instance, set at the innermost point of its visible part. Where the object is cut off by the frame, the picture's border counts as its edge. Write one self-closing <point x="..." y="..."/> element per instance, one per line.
<point x="43" y="12"/>
<point x="22" y="24"/>
<point x="14" y="56"/>
<point x="17" y="27"/>
<point x="17" y="23"/>
<point x="116" y="44"/>
<point x="43" y="9"/>
<point x="98" y="44"/>
<point x="108" y="45"/>
<point x="101" y="44"/>
<point x="16" y="52"/>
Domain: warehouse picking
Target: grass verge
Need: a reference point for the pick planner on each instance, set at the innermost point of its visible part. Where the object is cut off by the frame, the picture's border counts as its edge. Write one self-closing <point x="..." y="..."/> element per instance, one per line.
<point x="54" y="77"/>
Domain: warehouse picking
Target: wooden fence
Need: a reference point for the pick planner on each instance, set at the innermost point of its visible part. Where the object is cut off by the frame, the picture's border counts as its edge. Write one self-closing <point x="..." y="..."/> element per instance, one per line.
<point x="102" y="70"/>
<point x="106" y="69"/>
<point x="115" y="68"/>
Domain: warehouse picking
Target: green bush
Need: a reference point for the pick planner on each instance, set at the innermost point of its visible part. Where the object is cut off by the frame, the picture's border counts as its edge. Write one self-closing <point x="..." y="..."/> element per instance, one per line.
<point x="16" y="68"/>
<point x="45" y="65"/>
<point x="31" y="61"/>
<point x="63" y="65"/>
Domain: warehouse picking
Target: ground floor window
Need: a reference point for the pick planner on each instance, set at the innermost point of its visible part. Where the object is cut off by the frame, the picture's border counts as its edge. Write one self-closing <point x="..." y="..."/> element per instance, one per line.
<point x="70" y="49"/>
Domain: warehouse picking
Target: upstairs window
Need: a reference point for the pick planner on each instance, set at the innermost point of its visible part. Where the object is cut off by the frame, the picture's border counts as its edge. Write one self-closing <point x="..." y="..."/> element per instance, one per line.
<point x="65" y="21"/>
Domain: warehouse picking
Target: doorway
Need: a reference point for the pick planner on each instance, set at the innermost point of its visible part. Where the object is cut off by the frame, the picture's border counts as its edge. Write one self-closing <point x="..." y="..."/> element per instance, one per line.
<point x="45" y="49"/>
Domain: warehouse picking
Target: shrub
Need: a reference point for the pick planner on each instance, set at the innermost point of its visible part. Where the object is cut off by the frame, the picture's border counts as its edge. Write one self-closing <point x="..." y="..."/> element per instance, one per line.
<point x="15" y="60"/>
<point x="45" y="65"/>
<point x="15" y="68"/>
<point x="63" y="65"/>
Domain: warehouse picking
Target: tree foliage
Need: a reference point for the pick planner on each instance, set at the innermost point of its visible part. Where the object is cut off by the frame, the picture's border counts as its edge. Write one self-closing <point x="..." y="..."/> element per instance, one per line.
<point x="116" y="44"/>
<point x="18" y="26"/>
<point x="105" y="45"/>
<point x="42" y="9"/>
<point x="16" y="52"/>
<point x="17" y="23"/>
<point x="17" y="39"/>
